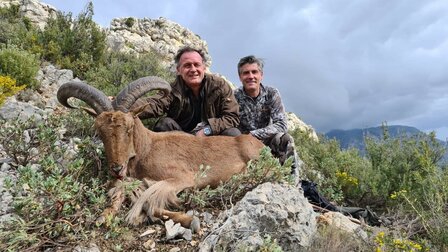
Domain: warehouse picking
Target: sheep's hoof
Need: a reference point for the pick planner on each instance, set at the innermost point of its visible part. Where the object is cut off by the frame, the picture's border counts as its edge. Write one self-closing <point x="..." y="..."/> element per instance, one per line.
<point x="100" y="221"/>
<point x="195" y="225"/>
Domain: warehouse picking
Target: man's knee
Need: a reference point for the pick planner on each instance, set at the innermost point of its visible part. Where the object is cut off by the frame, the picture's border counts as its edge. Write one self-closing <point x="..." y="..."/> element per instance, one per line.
<point x="279" y="142"/>
<point x="166" y="124"/>
<point x="282" y="146"/>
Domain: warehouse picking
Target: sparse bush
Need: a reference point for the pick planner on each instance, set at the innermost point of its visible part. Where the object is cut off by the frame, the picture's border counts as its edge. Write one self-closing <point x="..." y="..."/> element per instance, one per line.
<point x="78" y="124"/>
<point x="119" y="69"/>
<point x="55" y="201"/>
<point x="129" y="22"/>
<point x="399" y="176"/>
<point x="17" y="30"/>
<point x="404" y="163"/>
<point x="77" y="44"/>
<point x="54" y="204"/>
<point x="388" y="242"/>
<point x="23" y="140"/>
<point x="8" y="88"/>
<point x="427" y="218"/>
<point x="270" y="245"/>
<point x="19" y="65"/>
<point x="10" y="13"/>
<point x="332" y="239"/>
<point x="339" y="174"/>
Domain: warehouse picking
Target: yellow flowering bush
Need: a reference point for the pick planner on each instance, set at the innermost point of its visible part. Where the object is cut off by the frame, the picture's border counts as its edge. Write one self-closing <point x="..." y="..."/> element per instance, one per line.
<point x="395" y="195"/>
<point x="387" y="243"/>
<point x="8" y="88"/>
<point x="345" y="179"/>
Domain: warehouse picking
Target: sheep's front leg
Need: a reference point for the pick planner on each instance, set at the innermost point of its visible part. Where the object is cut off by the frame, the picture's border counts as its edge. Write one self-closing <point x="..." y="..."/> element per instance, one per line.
<point x="117" y="196"/>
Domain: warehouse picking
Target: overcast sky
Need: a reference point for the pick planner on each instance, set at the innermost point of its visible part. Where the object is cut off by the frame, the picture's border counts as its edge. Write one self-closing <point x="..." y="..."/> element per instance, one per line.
<point x="338" y="64"/>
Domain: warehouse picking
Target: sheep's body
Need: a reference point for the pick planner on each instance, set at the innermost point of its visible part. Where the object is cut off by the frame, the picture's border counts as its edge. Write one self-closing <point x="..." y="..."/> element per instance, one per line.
<point x="172" y="159"/>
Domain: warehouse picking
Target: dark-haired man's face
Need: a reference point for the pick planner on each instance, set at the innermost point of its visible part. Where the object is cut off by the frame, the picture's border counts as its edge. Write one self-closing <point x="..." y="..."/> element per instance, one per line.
<point x="191" y="69"/>
<point x="251" y="77"/>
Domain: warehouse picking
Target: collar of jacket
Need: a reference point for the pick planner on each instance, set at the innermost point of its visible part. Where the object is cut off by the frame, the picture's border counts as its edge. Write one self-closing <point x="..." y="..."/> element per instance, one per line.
<point x="179" y="87"/>
<point x="262" y="92"/>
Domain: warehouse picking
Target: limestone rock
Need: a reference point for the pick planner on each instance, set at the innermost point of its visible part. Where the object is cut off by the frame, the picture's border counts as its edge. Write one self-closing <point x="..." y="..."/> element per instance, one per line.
<point x="158" y="35"/>
<point x="36" y="11"/>
<point x="280" y="211"/>
<point x="295" y="122"/>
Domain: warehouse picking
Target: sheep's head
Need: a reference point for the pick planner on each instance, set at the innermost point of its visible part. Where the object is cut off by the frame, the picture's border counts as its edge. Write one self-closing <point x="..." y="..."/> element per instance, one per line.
<point x="116" y="130"/>
<point x="113" y="122"/>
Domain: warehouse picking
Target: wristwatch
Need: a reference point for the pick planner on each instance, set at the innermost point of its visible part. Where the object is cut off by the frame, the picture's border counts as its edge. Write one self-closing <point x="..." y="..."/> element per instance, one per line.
<point x="207" y="130"/>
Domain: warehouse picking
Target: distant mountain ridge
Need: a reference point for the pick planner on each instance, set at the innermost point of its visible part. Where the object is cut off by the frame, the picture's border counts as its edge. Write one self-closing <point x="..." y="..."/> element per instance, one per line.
<point x="355" y="137"/>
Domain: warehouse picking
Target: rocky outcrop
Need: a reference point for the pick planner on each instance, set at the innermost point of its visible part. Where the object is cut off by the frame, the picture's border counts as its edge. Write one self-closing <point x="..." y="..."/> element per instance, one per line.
<point x="270" y="211"/>
<point x="37" y="12"/>
<point x="40" y="102"/>
<point x="152" y="35"/>
<point x="294" y="122"/>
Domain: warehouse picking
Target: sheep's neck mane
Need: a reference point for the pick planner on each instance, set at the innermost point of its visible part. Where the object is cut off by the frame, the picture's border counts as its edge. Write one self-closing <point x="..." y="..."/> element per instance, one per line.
<point x="142" y="141"/>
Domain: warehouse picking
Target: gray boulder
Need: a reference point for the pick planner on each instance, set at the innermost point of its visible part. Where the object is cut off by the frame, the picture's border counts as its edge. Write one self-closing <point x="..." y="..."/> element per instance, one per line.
<point x="280" y="212"/>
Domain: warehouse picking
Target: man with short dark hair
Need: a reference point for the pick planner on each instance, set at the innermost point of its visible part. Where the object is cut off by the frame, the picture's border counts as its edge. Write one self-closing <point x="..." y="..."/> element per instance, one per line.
<point x="262" y="113"/>
<point x="199" y="103"/>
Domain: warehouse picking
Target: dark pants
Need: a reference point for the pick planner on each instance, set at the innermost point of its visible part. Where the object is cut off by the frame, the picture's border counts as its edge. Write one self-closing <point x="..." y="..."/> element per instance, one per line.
<point x="168" y="124"/>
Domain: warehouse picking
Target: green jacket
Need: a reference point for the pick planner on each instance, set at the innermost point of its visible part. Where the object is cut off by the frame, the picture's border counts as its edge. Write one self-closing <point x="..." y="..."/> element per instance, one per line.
<point x="220" y="108"/>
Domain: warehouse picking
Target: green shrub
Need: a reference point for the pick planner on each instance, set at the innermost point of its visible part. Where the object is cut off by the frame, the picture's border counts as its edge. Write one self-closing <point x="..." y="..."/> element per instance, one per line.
<point x="402" y="177"/>
<point x="388" y="242"/>
<point x="408" y="163"/>
<point x="19" y="138"/>
<point x="77" y="44"/>
<point x="17" y="30"/>
<point x="391" y="165"/>
<point x="120" y="69"/>
<point x="19" y="65"/>
<point x="55" y="201"/>
<point x="339" y="174"/>
<point x="130" y="22"/>
<point x="8" y="88"/>
<point x="11" y="13"/>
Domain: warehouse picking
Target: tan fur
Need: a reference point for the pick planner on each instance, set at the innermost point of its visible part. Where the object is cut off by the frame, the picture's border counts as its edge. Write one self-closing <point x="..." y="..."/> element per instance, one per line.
<point x="171" y="160"/>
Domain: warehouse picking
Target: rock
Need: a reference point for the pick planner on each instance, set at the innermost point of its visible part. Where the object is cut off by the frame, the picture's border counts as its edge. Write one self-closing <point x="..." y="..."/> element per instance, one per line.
<point x="342" y="222"/>
<point x="153" y="35"/>
<point x="278" y="211"/>
<point x="91" y="248"/>
<point x="37" y="12"/>
<point x="294" y="122"/>
<point x="176" y="230"/>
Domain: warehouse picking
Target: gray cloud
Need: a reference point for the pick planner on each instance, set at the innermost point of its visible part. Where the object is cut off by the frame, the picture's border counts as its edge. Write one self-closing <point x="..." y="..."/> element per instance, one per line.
<point x="338" y="64"/>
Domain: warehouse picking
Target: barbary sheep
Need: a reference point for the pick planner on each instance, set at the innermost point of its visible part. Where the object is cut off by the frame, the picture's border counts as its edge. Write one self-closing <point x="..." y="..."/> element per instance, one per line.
<point x="168" y="162"/>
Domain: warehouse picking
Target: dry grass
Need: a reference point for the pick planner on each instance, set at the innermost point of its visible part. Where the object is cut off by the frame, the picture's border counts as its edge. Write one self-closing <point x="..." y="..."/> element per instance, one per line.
<point x="332" y="239"/>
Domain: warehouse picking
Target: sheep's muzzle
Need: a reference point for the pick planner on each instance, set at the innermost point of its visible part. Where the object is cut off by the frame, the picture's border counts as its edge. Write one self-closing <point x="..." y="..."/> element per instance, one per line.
<point x="118" y="170"/>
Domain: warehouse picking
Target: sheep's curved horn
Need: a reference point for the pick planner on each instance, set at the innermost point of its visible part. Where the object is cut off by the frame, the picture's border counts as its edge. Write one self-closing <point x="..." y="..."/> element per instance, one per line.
<point x="90" y="95"/>
<point x="128" y="95"/>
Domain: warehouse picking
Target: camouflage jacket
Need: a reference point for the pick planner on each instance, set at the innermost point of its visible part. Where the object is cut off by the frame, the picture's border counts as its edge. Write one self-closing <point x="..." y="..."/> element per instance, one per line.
<point x="263" y="116"/>
<point x="219" y="106"/>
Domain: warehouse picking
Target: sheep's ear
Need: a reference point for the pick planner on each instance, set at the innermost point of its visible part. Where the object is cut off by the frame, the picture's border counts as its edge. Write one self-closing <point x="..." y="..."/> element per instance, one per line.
<point x="137" y="111"/>
<point x="90" y="111"/>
